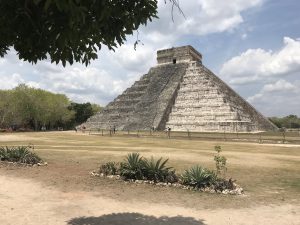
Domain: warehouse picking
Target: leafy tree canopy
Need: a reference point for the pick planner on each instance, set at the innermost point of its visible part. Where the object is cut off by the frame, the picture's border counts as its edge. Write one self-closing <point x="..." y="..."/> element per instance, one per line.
<point x="83" y="111"/>
<point x="27" y="107"/>
<point x="290" y="121"/>
<point x="69" y="30"/>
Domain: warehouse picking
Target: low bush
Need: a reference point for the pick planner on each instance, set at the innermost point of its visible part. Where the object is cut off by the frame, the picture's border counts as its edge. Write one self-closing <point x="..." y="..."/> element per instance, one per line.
<point x="20" y="154"/>
<point x="157" y="171"/>
<point x="131" y="168"/>
<point x="109" y="168"/>
<point x="220" y="161"/>
<point x="136" y="167"/>
<point x="222" y="184"/>
<point x="198" y="176"/>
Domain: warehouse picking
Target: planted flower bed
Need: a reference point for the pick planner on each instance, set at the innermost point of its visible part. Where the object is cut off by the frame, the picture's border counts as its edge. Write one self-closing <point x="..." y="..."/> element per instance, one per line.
<point x="138" y="169"/>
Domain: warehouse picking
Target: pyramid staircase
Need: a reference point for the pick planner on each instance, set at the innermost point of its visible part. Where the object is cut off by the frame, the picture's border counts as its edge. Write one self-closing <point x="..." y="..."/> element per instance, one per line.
<point x="182" y="94"/>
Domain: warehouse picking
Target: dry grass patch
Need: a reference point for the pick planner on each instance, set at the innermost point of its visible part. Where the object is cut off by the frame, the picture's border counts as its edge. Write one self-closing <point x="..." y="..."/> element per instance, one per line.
<point x="269" y="174"/>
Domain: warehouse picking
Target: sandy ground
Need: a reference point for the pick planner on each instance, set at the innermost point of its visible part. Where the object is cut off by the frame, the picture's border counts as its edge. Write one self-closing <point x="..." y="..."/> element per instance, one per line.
<point x="64" y="193"/>
<point x="23" y="201"/>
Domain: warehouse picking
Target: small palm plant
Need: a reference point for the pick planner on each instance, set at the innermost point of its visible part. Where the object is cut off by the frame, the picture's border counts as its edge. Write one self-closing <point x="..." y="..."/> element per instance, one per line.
<point x="198" y="176"/>
<point x="156" y="170"/>
<point x="131" y="168"/>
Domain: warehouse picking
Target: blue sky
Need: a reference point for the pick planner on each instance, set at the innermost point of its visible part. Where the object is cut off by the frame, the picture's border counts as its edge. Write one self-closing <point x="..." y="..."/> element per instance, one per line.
<point x="253" y="45"/>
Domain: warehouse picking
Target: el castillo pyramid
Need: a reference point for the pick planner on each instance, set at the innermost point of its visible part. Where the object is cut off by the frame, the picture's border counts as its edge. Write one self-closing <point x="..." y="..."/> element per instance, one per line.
<point x="180" y="93"/>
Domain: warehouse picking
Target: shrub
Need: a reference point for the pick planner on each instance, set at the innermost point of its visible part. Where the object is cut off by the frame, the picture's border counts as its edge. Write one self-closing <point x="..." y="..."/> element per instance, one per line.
<point x="131" y="168"/>
<point x="109" y="168"/>
<point x="198" y="176"/>
<point x="171" y="177"/>
<point x="21" y="154"/>
<point x="220" y="162"/>
<point x="222" y="184"/>
<point x="157" y="170"/>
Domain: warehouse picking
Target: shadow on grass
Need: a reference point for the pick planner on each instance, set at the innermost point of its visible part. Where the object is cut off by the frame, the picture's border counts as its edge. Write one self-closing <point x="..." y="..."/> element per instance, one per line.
<point x="133" y="219"/>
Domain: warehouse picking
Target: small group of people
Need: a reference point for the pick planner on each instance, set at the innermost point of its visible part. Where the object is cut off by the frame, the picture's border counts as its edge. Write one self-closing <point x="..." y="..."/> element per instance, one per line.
<point x="112" y="130"/>
<point x="168" y="131"/>
<point x="81" y="128"/>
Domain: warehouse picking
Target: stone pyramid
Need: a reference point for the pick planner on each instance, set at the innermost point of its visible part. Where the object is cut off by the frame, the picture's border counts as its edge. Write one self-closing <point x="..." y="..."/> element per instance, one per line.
<point x="180" y="93"/>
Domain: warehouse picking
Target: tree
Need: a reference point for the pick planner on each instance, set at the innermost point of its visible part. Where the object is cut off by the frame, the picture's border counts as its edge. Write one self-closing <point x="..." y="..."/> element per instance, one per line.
<point x="70" y="30"/>
<point x="83" y="111"/>
<point x="291" y="121"/>
<point x="29" y="107"/>
<point x="6" y="113"/>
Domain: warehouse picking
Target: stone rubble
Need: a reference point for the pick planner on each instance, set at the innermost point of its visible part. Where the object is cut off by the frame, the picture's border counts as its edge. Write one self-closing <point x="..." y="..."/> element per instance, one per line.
<point x="5" y="163"/>
<point x="236" y="191"/>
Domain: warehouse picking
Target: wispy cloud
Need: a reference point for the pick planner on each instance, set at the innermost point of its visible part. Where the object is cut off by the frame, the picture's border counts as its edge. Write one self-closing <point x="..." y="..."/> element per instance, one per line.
<point x="256" y="65"/>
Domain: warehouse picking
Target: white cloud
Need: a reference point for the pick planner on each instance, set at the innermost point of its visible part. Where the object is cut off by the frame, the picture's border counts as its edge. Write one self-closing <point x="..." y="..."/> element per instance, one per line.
<point x="2" y="61"/>
<point x="278" y="99"/>
<point x="137" y="60"/>
<point x="274" y="88"/>
<point x="9" y="82"/>
<point x="259" y="64"/>
<point x="244" y="36"/>
<point x="84" y="84"/>
<point x="203" y="16"/>
<point x="280" y="85"/>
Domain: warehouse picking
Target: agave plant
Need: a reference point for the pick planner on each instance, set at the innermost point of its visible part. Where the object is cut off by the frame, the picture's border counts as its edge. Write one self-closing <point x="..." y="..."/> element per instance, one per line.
<point x="3" y="153"/>
<point x="131" y="168"/>
<point x="156" y="170"/>
<point x="198" y="176"/>
<point x="20" y="154"/>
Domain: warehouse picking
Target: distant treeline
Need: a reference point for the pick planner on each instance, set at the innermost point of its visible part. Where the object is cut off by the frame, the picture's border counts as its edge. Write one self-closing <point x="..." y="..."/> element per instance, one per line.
<point x="291" y="121"/>
<point x="29" y="108"/>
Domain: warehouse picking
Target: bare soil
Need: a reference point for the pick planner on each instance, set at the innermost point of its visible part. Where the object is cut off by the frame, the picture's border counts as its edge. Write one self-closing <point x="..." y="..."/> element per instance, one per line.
<point x="64" y="193"/>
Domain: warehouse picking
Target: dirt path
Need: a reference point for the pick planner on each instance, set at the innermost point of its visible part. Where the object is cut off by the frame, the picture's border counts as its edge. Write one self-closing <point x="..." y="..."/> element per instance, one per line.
<point x="23" y="201"/>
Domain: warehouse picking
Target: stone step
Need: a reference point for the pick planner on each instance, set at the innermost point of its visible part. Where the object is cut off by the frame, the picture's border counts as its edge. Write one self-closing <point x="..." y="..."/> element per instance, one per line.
<point x="126" y="100"/>
<point x="207" y="122"/>
<point x="197" y="86"/>
<point x="132" y="94"/>
<point x="203" y="113"/>
<point x="139" y="88"/>
<point x="203" y="117"/>
<point x="199" y="95"/>
<point x="186" y="91"/>
<point x="202" y="106"/>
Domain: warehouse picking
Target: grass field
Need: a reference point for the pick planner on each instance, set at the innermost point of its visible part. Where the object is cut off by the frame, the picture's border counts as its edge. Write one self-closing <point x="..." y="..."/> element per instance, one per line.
<point x="276" y="137"/>
<point x="269" y="174"/>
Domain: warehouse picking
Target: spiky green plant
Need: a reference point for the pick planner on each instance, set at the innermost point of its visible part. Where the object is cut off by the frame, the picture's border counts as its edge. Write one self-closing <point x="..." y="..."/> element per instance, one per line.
<point x="21" y="154"/>
<point x="4" y="153"/>
<point x="198" y="176"/>
<point x="156" y="170"/>
<point x="109" y="168"/>
<point x="131" y="168"/>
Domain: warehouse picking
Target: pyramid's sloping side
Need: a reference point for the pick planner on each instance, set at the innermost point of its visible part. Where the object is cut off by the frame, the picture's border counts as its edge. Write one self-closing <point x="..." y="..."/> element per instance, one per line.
<point x="205" y="103"/>
<point x="146" y="104"/>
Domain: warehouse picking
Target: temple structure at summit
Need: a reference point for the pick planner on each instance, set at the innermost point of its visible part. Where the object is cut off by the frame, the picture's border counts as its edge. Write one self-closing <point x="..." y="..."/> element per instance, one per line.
<point x="180" y="93"/>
